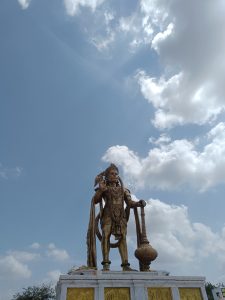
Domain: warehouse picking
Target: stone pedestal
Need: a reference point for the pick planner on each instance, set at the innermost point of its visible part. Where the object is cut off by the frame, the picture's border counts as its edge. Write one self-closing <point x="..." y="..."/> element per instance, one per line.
<point x="116" y="285"/>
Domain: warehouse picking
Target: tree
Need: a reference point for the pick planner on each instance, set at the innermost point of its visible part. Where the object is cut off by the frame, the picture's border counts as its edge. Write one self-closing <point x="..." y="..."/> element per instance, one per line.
<point x="43" y="292"/>
<point x="209" y="287"/>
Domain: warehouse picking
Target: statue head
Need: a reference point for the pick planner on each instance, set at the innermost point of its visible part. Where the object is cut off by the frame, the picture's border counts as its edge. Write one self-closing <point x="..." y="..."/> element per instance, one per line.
<point x="112" y="167"/>
<point x="112" y="174"/>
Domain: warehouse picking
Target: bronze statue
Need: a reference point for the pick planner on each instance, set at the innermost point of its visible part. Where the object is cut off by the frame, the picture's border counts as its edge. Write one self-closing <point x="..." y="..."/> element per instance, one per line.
<point x="113" y="217"/>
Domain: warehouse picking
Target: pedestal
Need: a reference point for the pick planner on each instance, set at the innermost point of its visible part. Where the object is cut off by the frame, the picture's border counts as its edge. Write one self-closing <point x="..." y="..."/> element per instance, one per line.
<point x="116" y="285"/>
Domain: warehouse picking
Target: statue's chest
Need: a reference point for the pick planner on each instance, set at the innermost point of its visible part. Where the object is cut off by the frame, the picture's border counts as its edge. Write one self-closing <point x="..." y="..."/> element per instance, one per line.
<point x="115" y="195"/>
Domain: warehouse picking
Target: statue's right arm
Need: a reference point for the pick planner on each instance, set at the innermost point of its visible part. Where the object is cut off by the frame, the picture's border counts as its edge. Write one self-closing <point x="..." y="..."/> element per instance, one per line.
<point x="99" y="191"/>
<point x="97" y="196"/>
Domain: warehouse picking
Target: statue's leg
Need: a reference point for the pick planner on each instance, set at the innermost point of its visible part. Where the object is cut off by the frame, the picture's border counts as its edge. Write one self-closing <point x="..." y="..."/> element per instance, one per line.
<point x="123" y="247"/>
<point x="105" y="244"/>
<point x="123" y="250"/>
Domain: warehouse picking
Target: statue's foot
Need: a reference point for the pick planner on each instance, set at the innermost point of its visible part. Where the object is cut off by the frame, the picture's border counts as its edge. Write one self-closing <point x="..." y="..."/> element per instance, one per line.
<point x="126" y="267"/>
<point x="106" y="265"/>
<point x="106" y="268"/>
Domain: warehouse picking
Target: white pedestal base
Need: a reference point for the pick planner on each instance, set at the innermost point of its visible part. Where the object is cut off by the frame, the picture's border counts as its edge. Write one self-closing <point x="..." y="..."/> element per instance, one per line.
<point x="138" y="285"/>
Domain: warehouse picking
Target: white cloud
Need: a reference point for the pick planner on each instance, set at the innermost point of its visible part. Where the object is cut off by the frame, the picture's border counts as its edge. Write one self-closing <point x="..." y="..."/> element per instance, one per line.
<point x="35" y="246"/>
<point x="24" y="3"/>
<point x="192" y="48"/>
<point x="21" y="268"/>
<point x="23" y="256"/>
<point x="11" y="267"/>
<point x="130" y="24"/>
<point x="57" y="254"/>
<point x="9" y="173"/>
<point x="161" y="36"/>
<point x="53" y="275"/>
<point x="108" y="27"/>
<point x="103" y="43"/>
<point x="156" y="11"/>
<point x="101" y="29"/>
<point x="176" y="103"/>
<point x="137" y="29"/>
<point x="173" y="164"/>
<point x="73" y="6"/>
<point x="109" y="16"/>
<point x="163" y="139"/>
<point x="176" y="238"/>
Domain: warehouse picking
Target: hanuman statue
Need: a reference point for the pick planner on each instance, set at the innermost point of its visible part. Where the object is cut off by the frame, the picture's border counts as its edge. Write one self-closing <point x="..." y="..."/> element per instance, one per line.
<point x="115" y="203"/>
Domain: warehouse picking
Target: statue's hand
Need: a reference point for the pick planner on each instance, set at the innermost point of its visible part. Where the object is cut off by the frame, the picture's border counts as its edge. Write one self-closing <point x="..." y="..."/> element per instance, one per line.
<point x="141" y="203"/>
<point x="102" y="186"/>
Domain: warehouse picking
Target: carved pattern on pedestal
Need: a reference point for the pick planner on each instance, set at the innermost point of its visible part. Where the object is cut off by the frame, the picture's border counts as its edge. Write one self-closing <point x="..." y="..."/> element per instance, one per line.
<point x="116" y="294"/>
<point x="159" y="294"/>
<point x="80" y="294"/>
<point x="190" y="294"/>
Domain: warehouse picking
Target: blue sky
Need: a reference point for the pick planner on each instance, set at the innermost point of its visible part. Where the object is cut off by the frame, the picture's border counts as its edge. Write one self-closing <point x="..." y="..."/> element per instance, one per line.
<point x="86" y="83"/>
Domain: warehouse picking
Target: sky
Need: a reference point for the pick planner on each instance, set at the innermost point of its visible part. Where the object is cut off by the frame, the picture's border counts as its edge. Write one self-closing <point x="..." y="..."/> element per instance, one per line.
<point x="86" y="83"/>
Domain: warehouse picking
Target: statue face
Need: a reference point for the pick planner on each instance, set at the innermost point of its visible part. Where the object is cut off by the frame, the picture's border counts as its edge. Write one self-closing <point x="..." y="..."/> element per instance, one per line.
<point x="112" y="176"/>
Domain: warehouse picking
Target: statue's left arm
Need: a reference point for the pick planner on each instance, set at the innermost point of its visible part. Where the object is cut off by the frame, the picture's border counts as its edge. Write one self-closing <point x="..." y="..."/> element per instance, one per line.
<point x="131" y="203"/>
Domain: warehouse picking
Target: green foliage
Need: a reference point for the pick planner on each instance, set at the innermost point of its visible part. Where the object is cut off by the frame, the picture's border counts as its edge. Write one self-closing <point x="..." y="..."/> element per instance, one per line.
<point x="208" y="287"/>
<point x="43" y="292"/>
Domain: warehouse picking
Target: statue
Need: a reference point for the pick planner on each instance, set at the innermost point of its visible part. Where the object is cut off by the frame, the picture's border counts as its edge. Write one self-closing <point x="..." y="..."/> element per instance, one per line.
<point x="113" y="216"/>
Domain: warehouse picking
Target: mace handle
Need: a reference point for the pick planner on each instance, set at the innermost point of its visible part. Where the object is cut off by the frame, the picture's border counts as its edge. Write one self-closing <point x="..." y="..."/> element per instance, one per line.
<point x="144" y="238"/>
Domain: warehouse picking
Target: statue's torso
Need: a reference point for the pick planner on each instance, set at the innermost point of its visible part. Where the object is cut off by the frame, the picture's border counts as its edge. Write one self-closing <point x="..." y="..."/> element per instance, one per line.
<point x="113" y="212"/>
<point x="114" y="198"/>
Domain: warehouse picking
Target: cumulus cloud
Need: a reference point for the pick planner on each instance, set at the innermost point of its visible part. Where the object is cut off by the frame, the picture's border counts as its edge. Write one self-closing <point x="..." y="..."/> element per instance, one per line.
<point x="53" y="275"/>
<point x="11" y="267"/>
<point x="17" y="268"/>
<point x="57" y="254"/>
<point x="109" y="17"/>
<point x="178" y="103"/>
<point x="24" y="3"/>
<point x="137" y="28"/>
<point x="13" y="264"/>
<point x="24" y="256"/>
<point x="176" y="238"/>
<point x="109" y="28"/>
<point x="73" y="6"/>
<point x="35" y="246"/>
<point x="100" y="29"/>
<point x="190" y="90"/>
<point x="174" y="164"/>
<point x="8" y="173"/>
<point x="191" y="48"/>
<point x="103" y="43"/>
